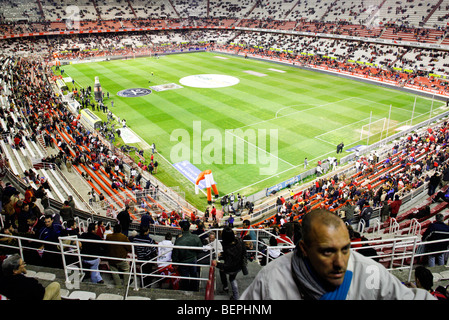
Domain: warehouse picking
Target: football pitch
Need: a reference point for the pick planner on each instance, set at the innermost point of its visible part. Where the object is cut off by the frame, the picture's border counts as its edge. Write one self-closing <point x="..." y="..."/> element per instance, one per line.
<point x="251" y="122"/>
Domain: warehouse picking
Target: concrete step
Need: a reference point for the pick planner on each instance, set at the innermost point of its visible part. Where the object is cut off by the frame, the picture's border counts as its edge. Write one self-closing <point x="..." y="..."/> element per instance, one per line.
<point x="86" y="290"/>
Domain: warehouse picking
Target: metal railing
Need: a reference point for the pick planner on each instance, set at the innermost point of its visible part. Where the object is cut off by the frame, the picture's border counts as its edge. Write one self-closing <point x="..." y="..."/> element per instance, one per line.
<point x="397" y="253"/>
<point x="401" y="252"/>
<point x="75" y="271"/>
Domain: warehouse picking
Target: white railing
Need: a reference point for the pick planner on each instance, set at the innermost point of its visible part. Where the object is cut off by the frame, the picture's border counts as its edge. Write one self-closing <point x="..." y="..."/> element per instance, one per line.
<point x="398" y="253"/>
<point x="377" y="225"/>
<point x="415" y="227"/>
<point x="394" y="226"/>
<point x="361" y="226"/>
<point x="70" y="250"/>
<point x="75" y="271"/>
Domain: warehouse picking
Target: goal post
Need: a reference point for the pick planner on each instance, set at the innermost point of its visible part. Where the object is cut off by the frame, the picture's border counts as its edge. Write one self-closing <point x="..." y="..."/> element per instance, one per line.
<point x="372" y="128"/>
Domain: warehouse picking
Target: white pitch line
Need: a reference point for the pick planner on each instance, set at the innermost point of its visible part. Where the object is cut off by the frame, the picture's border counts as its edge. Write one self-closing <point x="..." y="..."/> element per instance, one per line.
<point x="341" y="127"/>
<point x="318" y="136"/>
<point x="274" y="175"/>
<point x="299" y="165"/>
<point x="388" y="106"/>
<point x="277" y="70"/>
<point x="325" y="141"/>
<point x="276" y="116"/>
<point x="252" y="144"/>
<point x="287" y="115"/>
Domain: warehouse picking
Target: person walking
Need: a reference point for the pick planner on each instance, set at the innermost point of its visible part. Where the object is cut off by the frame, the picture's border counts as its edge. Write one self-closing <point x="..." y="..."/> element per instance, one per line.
<point x="234" y="260"/>
<point x="124" y="219"/>
<point x="395" y="206"/>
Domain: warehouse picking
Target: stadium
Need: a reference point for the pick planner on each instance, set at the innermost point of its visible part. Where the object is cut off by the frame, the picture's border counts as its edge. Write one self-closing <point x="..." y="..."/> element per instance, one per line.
<point x="150" y="114"/>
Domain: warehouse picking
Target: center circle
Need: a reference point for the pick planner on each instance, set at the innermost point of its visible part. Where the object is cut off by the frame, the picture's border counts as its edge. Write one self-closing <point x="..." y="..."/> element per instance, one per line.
<point x="209" y="81"/>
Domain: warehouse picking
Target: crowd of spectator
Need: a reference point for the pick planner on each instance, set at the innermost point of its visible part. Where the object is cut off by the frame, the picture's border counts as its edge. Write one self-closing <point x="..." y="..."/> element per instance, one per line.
<point x="403" y="65"/>
<point x="377" y="184"/>
<point x="44" y="115"/>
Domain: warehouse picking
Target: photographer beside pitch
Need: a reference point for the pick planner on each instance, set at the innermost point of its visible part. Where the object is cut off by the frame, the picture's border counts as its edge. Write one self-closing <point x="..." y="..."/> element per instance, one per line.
<point x="323" y="267"/>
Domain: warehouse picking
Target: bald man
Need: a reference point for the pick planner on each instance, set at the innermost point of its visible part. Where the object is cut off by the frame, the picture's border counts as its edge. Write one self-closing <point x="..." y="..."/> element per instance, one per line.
<point x="323" y="267"/>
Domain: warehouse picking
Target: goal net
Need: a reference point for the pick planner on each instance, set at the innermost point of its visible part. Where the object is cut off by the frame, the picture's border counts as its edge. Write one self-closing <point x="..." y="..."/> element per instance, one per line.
<point x="373" y="128"/>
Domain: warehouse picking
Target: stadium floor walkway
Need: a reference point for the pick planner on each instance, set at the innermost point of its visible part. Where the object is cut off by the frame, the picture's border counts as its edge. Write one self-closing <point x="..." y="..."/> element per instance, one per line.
<point x="45" y="275"/>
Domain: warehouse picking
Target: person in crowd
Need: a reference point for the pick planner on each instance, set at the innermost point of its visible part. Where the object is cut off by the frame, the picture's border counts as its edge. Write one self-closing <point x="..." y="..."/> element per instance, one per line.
<point x="441" y="195"/>
<point x="437" y="230"/>
<point x="118" y="254"/>
<point x="92" y="251"/>
<point x="366" y="213"/>
<point x="234" y="260"/>
<point x="66" y="212"/>
<point x="272" y="252"/>
<point x="424" y="280"/>
<point x="124" y="219"/>
<point x="395" y="206"/>
<point x="50" y="234"/>
<point x="164" y="259"/>
<point x="385" y="211"/>
<point x="100" y="230"/>
<point x="165" y="251"/>
<point x="187" y="256"/>
<point x="15" y="285"/>
<point x="145" y="253"/>
<point x="323" y="267"/>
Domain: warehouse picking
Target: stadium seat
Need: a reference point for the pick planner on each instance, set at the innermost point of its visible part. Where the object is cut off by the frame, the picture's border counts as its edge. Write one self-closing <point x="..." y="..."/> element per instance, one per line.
<point x="137" y="298"/>
<point x="109" y="296"/>
<point x="45" y="276"/>
<point x="82" y="295"/>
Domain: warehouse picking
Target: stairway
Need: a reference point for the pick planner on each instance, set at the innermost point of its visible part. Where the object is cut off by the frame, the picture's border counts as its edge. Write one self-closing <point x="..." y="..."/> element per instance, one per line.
<point x="434" y="8"/>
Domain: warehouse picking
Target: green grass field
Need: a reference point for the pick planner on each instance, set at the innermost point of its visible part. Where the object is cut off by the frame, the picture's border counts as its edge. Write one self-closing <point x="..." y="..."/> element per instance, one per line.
<point x="302" y="114"/>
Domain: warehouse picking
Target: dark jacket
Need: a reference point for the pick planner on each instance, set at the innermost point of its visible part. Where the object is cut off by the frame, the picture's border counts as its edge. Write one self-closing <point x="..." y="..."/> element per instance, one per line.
<point x="125" y="219"/>
<point x="366" y="212"/>
<point x="146" y="220"/>
<point x="145" y="252"/>
<point x="436" y="231"/>
<point x="234" y="256"/>
<point x="446" y="174"/>
<point x="20" y="287"/>
<point x="66" y="213"/>
<point x="50" y="233"/>
<point x="435" y="180"/>
<point x="385" y="210"/>
<point x="185" y="255"/>
<point x="92" y="248"/>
